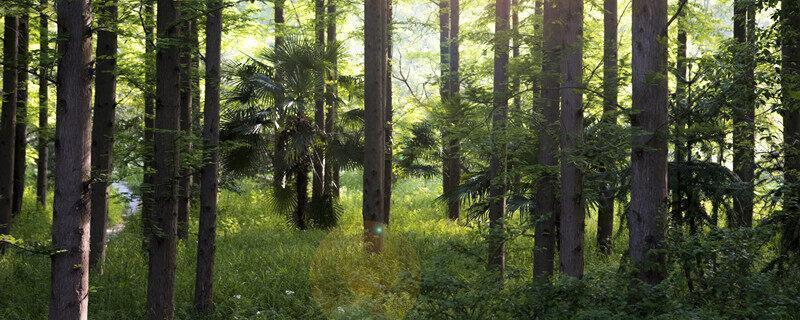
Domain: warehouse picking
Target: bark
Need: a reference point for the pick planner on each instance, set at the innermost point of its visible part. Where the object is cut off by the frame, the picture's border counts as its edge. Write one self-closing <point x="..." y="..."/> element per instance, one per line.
<point x="301" y="185"/>
<point x="318" y="157"/>
<point x="452" y="150"/>
<point x="388" y="113"/>
<point x="332" y="167"/>
<point x="7" y="123"/>
<point x="744" y="109"/>
<point x="103" y="129"/>
<point x="187" y="94"/>
<point x="43" y="135"/>
<point x="209" y="176"/>
<point x="375" y="66"/>
<point x="21" y="135"/>
<point x="279" y="154"/>
<point x="497" y="164"/>
<point x="547" y="206"/>
<point x="605" y="211"/>
<point x="646" y="216"/>
<point x="69" y="276"/>
<point x="148" y="201"/>
<point x="161" y="275"/>
<point x="790" y="83"/>
<point x="572" y="201"/>
<point x="682" y="149"/>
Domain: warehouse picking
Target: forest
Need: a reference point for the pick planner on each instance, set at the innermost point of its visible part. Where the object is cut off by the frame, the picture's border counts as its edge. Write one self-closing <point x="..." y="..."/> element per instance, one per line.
<point x="400" y="159"/>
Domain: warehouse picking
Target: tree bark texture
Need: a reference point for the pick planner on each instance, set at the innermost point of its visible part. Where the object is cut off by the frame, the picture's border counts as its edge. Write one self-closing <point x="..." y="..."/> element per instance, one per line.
<point x="8" y="122"/>
<point x="21" y="135"/>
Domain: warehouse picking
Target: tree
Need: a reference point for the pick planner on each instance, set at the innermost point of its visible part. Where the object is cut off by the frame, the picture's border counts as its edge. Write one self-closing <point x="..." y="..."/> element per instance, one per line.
<point x="69" y="276"/>
<point x="21" y="128"/>
<point x="572" y="201"/>
<point x="547" y="206"/>
<point x="375" y="66"/>
<point x="148" y="201"/>
<point x="790" y="83"/>
<point x="103" y="129"/>
<point x="744" y="109"/>
<point x="318" y="158"/>
<point x="332" y="167"/>
<point x="8" y="122"/>
<point x="605" y="211"/>
<point x="209" y="180"/>
<point x="451" y="161"/>
<point x="187" y="94"/>
<point x="43" y="136"/>
<point x="497" y="164"/>
<point x="161" y="272"/>
<point x="646" y="216"/>
<point x="682" y="111"/>
<point x="388" y="118"/>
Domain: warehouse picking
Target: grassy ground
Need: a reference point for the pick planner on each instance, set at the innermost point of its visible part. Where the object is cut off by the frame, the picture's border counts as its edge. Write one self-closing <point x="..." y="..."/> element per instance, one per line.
<point x="432" y="269"/>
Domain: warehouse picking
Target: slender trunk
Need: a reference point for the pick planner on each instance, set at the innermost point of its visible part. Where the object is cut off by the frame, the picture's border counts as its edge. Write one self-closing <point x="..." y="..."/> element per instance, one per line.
<point x="332" y="167"/>
<point x="375" y="67"/>
<point x="497" y="164"/>
<point x="452" y="166"/>
<point x="646" y="216"/>
<point x="446" y="97"/>
<point x="105" y="105"/>
<point x="148" y="197"/>
<point x="69" y="272"/>
<point x="187" y="93"/>
<point x="209" y="175"/>
<point x="605" y="211"/>
<point x="516" y="82"/>
<point x="301" y="185"/>
<point x="744" y="116"/>
<point x="388" y="114"/>
<point x="279" y="154"/>
<point x="790" y="52"/>
<point x="547" y="206"/>
<point x="43" y="137"/>
<point x="21" y="135"/>
<point x="681" y="114"/>
<point x="7" y="123"/>
<point x="572" y="201"/>
<point x="161" y="275"/>
<point x="317" y="156"/>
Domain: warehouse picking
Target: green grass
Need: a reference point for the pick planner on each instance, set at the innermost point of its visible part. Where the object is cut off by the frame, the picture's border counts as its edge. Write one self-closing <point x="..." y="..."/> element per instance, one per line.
<point x="433" y="268"/>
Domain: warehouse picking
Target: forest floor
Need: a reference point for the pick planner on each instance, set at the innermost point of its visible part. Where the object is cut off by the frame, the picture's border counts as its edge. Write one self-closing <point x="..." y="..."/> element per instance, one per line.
<point x="432" y="268"/>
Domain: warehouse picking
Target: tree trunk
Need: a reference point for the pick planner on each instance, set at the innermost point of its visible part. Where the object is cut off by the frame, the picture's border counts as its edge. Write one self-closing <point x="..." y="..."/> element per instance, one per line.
<point x="375" y="66"/>
<point x="444" y="93"/>
<point x="69" y="276"/>
<point x="646" y="216"/>
<point x="332" y="167"/>
<point x="572" y="202"/>
<point x="682" y="113"/>
<point x="605" y="211"/>
<point x="790" y="52"/>
<point x="148" y="197"/>
<point x="452" y="150"/>
<point x="209" y="179"/>
<point x="547" y="206"/>
<point x="279" y="154"/>
<point x="318" y="157"/>
<point x="105" y="105"/>
<point x="497" y="165"/>
<point x="21" y="135"/>
<point x="7" y="124"/>
<point x="187" y="75"/>
<point x="744" y="109"/>
<point x="301" y="185"/>
<point x="43" y="137"/>
<point x="388" y="114"/>
<point x="161" y="276"/>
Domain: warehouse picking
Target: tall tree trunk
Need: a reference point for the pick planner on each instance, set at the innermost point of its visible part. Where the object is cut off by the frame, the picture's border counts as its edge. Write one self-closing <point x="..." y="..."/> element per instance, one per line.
<point x="452" y="150"/>
<point x="605" y="211"/>
<point x="301" y="185"/>
<point x="445" y="95"/>
<point x="647" y="216"/>
<point x="790" y="83"/>
<point x="572" y="201"/>
<point x="682" y="113"/>
<point x="148" y="197"/>
<point x="332" y="167"/>
<point x="516" y="82"/>
<point x="744" y="116"/>
<point x="547" y="206"/>
<point x="161" y="276"/>
<point x="7" y="123"/>
<point x="388" y="115"/>
<point x="317" y="156"/>
<point x="375" y="66"/>
<point x="209" y="176"/>
<point x="43" y="137"/>
<point x="105" y="105"/>
<point x="497" y="164"/>
<point x="69" y="272"/>
<point x="279" y="154"/>
<point x="187" y="75"/>
<point x="21" y="135"/>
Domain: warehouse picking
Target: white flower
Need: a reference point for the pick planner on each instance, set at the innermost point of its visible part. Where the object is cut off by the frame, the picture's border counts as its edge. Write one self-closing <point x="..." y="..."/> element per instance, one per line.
<point x="289" y="292"/>
<point x="340" y="309"/>
<point x="238" y="296"/>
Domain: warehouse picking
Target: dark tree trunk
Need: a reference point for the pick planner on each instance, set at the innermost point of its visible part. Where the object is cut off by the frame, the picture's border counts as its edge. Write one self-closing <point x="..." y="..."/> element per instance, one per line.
<point x="375" y="67"/>
<point x="572" y="202"/>
<point x="279" y="154"/>
<point x="148" y="197"/>
<point x="388" y="114"/>
<point x="209" y="176"/>
<point x="69" y="273"/>
<point x="331" y="165"/>
<point x="647" y="215"/>
<point x="547" y="206"/>
<point x="679" y="194"/>
<point x="105" y="105"/>
<point x="187" y="93"/>
<point x="497" y="164"/>
<point x="605" y="211"/>
<point x="21" y="135"/>
<point x="452" y="150"/>
<point x="8" y="122"/>
<point x="43" y="137"/>
<point x="446" y="97"/>
<point x="790" y="82"/>
<point x="301" y="185"/>
<point x="161" y="276"/>
<point x="318" y="157"/>
<point x="744" y="116"/>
